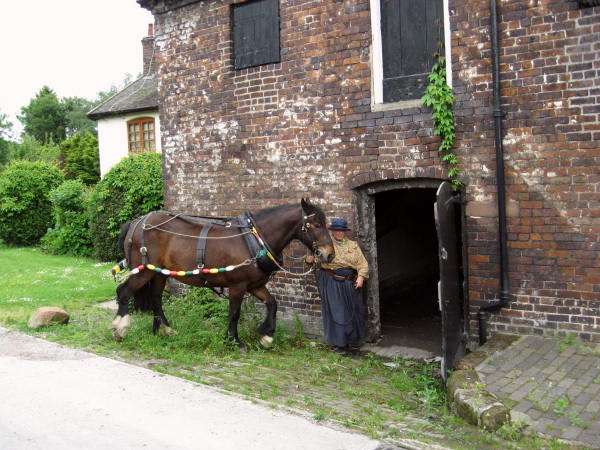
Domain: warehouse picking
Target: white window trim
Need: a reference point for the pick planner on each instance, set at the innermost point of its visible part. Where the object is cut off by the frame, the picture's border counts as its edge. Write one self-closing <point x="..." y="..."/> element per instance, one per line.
<point x="377" y="103"/>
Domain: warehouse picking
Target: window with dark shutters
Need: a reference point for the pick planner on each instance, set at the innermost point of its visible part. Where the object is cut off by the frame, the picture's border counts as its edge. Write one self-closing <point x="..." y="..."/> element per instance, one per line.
<point x="255" y="33"/>
<point x="412" y="33"/>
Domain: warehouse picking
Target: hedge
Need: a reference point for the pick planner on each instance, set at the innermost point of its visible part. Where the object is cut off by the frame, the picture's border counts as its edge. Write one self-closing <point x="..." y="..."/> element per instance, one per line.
<point x="130" y="189"/>
<point x="71" y="233"/>
<point x="25" y="207"/>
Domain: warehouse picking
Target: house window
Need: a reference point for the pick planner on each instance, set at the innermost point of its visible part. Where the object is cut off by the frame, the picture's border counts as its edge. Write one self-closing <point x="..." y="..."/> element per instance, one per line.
<point x="407" y="36"/>
<point x="140" y="133"/>
<point x="255" y="33"/>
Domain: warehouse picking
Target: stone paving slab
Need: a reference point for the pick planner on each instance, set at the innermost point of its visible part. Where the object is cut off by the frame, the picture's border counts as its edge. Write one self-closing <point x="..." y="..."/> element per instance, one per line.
<point x="552" y="383"/>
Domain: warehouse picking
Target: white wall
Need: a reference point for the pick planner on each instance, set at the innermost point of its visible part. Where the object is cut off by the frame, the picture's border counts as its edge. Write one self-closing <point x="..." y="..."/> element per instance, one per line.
<point x="112" y="138"/>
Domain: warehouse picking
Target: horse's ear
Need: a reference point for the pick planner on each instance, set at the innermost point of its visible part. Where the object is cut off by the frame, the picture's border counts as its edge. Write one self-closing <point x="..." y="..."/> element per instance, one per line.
<point x="304" y="204"/>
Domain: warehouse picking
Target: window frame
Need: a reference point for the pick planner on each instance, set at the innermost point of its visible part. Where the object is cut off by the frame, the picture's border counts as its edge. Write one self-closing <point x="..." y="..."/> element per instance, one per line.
<point x="141" y="121"/>
<point x="377" y="103"/>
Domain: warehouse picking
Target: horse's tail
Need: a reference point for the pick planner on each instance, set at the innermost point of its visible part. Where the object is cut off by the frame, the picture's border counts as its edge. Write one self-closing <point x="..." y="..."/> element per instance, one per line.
<point x="122" y="264"/>
<point x="121" y="241"/>
<point x="143" y="298"/>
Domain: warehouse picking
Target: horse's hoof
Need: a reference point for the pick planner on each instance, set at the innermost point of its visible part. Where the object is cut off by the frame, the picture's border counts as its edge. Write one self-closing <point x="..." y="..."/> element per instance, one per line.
<point x="117" y="337"/>
<point x="120" y="331"/>
<point x="266" y="341"/>
<point x="164" y="330"/>
<point x="115" y="323"/>
<point x="243" y="349"/>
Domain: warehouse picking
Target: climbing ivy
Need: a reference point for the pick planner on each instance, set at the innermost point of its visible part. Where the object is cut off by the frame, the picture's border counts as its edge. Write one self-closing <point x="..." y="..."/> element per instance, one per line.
<point x="440" y="98"/>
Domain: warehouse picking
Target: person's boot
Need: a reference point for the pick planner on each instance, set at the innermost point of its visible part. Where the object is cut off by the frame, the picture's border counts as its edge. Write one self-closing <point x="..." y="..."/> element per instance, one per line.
<point x="339" y="350"/>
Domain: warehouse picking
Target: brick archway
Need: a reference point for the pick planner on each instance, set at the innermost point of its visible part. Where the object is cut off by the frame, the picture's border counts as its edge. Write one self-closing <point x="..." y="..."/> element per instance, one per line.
<point x="375" y="177"/>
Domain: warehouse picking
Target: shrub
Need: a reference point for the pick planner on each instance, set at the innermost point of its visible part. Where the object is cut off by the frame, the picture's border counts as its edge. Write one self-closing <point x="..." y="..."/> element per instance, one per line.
<point x="130" y="189"/>
<point x="25" y="208"/>
<point x="71" y="234"/>
<point x="80" y="158"/>
<point x="31" y="150"/>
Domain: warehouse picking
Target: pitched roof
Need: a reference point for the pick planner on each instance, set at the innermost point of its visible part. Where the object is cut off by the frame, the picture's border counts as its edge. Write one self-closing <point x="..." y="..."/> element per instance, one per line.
<point x="140" y="95"/>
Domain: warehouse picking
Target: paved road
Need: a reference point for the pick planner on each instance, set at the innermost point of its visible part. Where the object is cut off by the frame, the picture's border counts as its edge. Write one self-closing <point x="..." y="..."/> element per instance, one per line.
<point x="52" y="397"/>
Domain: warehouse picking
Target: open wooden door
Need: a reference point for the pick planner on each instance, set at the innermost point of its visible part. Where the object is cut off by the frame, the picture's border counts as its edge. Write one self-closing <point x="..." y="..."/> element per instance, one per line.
<point x="447" y="209"/>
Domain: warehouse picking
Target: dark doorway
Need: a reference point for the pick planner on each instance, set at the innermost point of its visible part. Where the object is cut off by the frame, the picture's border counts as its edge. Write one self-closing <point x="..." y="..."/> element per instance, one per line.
<point x="408" y="269"/>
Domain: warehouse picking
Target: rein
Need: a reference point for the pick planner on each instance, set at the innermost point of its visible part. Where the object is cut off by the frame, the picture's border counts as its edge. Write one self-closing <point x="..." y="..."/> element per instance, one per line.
<point x="301" y="274"/>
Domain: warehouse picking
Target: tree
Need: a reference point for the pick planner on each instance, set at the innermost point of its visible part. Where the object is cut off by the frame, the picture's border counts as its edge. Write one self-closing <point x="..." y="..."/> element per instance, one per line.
<point x="114" y="88"/>
<point x="80" y="157"/>
<point x="5" y="129"/>
<point x="76" y="109"/>
<point x="5" y="126"/>
<point x="45" y="117"/>
<point x="29" y="149"/>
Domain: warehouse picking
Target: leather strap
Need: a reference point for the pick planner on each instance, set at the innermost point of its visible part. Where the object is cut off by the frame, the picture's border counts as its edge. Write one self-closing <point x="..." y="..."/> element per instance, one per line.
<point x="201" y="247"/>
<point x="333" y="274"/>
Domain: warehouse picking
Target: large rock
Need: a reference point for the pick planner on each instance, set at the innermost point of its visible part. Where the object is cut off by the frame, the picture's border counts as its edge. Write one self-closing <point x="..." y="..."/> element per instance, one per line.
<point x="48" y="315"/>
<point x="473" y="403"/>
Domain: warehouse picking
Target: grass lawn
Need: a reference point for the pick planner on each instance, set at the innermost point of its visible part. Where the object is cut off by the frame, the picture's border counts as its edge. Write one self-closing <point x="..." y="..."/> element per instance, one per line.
<point x="396" y="401"/>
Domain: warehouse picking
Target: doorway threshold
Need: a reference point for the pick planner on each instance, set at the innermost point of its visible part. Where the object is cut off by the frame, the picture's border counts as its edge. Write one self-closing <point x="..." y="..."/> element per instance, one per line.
<point x="400" y="351"/>
<point x="414" y="338"/>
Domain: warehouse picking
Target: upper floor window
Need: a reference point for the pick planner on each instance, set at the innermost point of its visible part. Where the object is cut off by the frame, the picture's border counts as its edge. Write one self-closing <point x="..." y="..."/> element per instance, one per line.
<point x="255" y="33"/>
<point x="407" y="35"/>
<point x="140" y="135"/>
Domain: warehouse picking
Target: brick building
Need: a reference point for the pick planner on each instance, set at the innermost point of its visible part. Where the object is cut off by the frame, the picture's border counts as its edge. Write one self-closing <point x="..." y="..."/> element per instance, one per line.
<point x="263" y="102"/>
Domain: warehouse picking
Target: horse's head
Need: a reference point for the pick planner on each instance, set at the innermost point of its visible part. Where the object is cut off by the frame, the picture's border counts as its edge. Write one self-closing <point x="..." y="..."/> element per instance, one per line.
<point x="313" y="232"/>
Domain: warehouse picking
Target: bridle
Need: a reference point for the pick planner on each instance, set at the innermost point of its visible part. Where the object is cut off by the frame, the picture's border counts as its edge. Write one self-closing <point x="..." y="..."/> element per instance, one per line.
<point x="306" y="226"/>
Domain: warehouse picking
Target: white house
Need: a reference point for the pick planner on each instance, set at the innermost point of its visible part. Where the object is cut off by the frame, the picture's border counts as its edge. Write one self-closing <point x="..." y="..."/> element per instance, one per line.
<point x="128" y="122"/>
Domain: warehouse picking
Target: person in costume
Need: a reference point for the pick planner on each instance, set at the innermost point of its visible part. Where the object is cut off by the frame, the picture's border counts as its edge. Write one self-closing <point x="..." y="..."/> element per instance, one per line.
<point x="340" y="285"/>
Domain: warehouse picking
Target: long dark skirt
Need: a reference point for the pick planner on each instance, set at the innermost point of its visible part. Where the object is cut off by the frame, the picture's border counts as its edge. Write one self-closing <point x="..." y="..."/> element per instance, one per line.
<point x="342" y="310"/>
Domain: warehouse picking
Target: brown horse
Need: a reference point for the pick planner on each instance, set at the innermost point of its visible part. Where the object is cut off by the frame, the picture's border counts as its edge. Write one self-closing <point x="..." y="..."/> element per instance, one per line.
<point x="164" y="240"/>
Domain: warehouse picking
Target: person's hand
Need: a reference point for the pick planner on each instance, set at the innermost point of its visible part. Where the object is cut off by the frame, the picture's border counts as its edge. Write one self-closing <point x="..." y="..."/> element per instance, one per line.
<point x="359" y="282"/>
<point x="309" y="259"/>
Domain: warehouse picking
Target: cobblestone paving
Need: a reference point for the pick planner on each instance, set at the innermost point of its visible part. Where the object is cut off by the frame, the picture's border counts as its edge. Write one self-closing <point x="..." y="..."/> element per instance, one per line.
<point x="553" y="384"/>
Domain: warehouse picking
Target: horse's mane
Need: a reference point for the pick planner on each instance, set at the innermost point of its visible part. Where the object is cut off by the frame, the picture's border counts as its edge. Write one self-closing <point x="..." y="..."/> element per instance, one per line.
<point x="268" y="211"/>
<point x="311" y="209"/>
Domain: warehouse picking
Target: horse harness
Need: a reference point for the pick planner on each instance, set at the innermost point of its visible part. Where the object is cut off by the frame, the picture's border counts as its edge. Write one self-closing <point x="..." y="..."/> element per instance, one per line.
<point x="259" y="250"/>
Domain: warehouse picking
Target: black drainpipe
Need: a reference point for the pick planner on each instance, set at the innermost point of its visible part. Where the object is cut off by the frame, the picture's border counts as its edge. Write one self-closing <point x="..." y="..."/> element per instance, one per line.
<point x="495" y="305"/>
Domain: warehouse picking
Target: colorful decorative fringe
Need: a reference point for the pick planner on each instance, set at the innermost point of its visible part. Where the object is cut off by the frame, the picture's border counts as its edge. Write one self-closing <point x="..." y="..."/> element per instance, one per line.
<point x="177" y="273"/>
<point x="182" y="273"/>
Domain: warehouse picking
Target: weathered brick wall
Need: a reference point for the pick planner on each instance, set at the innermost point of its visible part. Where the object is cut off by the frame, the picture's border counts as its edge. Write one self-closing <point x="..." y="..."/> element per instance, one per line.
<point x="550" y="66"/>
<point x="304" y="127"/>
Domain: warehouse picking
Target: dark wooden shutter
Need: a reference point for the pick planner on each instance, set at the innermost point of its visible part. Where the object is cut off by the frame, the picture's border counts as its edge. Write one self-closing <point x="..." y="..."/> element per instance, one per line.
<point x="412" y="32"/>
<point x="256" y="33"/>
